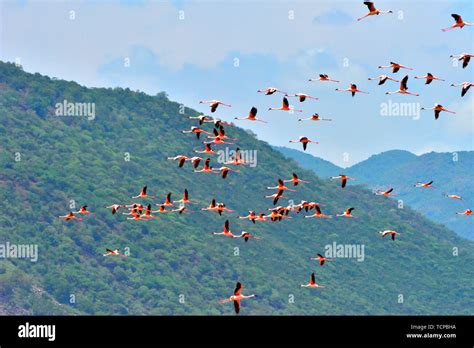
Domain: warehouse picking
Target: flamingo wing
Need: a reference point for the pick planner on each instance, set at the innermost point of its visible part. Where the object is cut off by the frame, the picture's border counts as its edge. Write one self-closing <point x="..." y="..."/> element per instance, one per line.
<point x="313" y="279"/>
<point x="238" y="288"/>
<point x="370" y="5"/>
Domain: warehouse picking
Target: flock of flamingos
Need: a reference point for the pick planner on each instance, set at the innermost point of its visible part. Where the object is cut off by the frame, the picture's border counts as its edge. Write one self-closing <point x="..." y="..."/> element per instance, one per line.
<point x="145" y="212"/>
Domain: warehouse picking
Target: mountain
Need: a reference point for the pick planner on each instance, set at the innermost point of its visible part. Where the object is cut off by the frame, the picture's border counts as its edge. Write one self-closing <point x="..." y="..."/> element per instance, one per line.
<point x="451" y="173"/>
<point x="53" y="164"/>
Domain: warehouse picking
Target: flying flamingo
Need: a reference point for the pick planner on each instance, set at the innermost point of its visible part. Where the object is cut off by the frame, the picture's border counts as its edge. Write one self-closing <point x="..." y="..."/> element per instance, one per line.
<point x="251" y="216"/>
<point x="321" y="259"/>
<point x="301" y="96"/>
<point x="116" y="207"/>
<point x="270" y="91"/>
<point x="227" y="232"/>
<point x="459" y="23"/>
<point x="403" y="88"/>
<point x="136" y="217"/>
<point x="148" y="212"/>
<point x="465" y="87"/>
<point x="424" y="185"/>
<point x="453" y="196"/>
<point x="217" y="140"/>
<point x="206" y="168"/>
<point x="275" y="215"/>
<point x="465" y="57"/>
<point x="180" y="210"/>
<point x="185" y="199"/>
<point x="392" y="234"/>
<point x="252" y="116"/>
<point x="194" y="161"/>
<point x="394" y="66"/>
<point x="207" y="150"/>
<point x="201" y="118"/>
<point x="312" y="283"/>
<point x="318" y="214"/>
<point x="276" y="197"/>
<point x="246" y="236"/>
<point x="437" y="110"/>
<point x="372" y="10"/>
<point x="213" y="104"/>
<point x="180" y="158"/>
<point x="110" y="252"/>
<point x="429" y="78"/>
<point x="385" y="193"/>
<point x="143" y="194"/>
<point x="295" y="180"/>
<point x="237" y="159"/>
<point x="162" y="210"/>
<point x="220" y="132"/>
<point x="382" y="79"/>
<point x="261" y="217"/>
<point x="314" y="117"/>
<point x="224" y="171"/>
<point x="343" y="178"/>
<point x="347" y="213"/>
<point x="70" y="216"/>
<point x="466" y="212"/>
<point x="237" y="297"/>
<point x="168" y="202"/>
<point x="285" y="106"/>
<point x="281" y="187"/>
<point x="83" y="211"/>
<point x="323" y="77"/>
<point x="352" y="88"/>
<point x="196" y="130"/>
<point x="304" y="140"/>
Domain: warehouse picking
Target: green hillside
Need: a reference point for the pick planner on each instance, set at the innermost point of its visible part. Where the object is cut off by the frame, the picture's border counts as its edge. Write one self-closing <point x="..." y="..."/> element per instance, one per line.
<point x="73" y="158"/>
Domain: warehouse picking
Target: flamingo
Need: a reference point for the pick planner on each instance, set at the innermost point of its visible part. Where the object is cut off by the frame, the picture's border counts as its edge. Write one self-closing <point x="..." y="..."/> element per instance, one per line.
<point x="180" y="158"/>
<point x="201" y="118"/>
<point x="224" y="171"/>
<point x="437" y="110"/>
<point x="394" y="66"/>
<point x="168" y="202"/>
<point x="196" y="130"/>
<point x="207" y="150"/>
<point x="218" y="122"/>
<point x="110" y="252"/>
<point x="220" y="132"/>
<point x="70" y="216"/>
<point x="237" y="297"/>
<point x="429" y="78"/>
<point x="213" y="104"/>
<point x="285" y="106"/>
<point x="251" y="216"/>
<point x="301" y="96"/>
<point x="143" y="194"/>
<point x="281" y="187"/>
<point x="276" y="197"/>
<point x="252" y="116"/>
<point x="246" y="236"/>
<point x="465" y="87"/>
<point x="226" y="232"/>
<point x="343" y="178"/>
<point x="162" y="210"/>
<point x="372" y="10"/>
<point x="136" y="217"/>
<point x="352" y="88"/>
<point x="314" y="117"/>
<point x="185" y="199"/>
<point x="206" y="168"/>
<point x="180" y="210"/>
<point x="148" y="212"/>
<point x="347" y="213"/>
<point x="321" y="259"/>
<point x="270" y="91"/>
<point x="465" y="57"/>
<point x="318" y="214"/>
<point x="261" y="217"/>
<point x="217" y="140"/>
<point x="382" y="79"/>
<point x="459" y="23"/>
<point x="386" y="193"/>
<point x="304" y="140"/>
<point x="392" y="234"/>
<point x="219" y="207"/>
<point x="115" y="207"/>
<point x="323" y="77"/>
<point x="275" y="215"/>
<point x="466" y="212"/>
<point x="295" y="180"/>
<point x="424" y="185"/>
<point x="453" y="196"/>
<point x="194" y="161"/>
<point x="403" y="88"/>
<point x="237" y="159"/>
<point x="312" y="283"/>
<point x="83" y="211"/>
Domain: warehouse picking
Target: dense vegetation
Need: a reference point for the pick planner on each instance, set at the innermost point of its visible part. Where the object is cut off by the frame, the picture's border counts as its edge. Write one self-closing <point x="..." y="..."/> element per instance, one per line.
<point x="452" y="173"/>
<point x="72" y="158"/>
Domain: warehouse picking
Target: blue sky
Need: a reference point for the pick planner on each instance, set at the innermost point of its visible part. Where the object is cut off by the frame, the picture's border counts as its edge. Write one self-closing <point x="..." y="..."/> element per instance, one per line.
<point x="193" y="59"/>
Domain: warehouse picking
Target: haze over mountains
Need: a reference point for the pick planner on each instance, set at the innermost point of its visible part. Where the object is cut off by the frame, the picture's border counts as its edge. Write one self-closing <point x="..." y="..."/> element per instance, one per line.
<point x="176" y="266"/>
<point x="452" y="173"/>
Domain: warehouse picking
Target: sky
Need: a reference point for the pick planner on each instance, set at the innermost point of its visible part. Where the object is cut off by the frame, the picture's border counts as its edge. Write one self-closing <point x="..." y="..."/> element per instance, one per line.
<point x="227" y="50"/>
